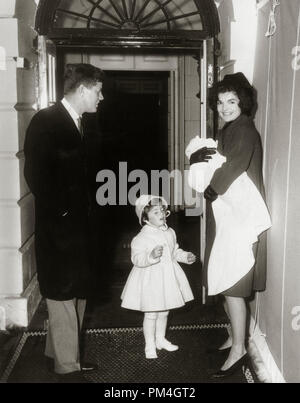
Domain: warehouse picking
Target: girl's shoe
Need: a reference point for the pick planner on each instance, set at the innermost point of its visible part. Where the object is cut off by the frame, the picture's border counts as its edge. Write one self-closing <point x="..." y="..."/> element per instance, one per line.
<point x="150" y="352"/>
<point x="166" y="345"/>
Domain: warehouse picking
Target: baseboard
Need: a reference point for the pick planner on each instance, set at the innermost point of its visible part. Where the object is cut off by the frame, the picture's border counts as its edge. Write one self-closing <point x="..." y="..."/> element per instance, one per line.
<point x="33" y="296"/>
<point x="263" y="361"/>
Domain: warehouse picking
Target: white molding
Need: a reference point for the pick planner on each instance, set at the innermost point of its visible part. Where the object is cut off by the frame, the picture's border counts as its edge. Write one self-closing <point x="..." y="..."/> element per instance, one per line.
<point x="7" y="107"/>
<point x="263" y="360"/>
<point x="9" y="249"/>
<point x="20" y="154"/>
<point x="261" y="4"/>
<point x="8" y="155"/>
<point x="25" y="199"/>
<point x="17" y="202"/>
<point x="22" y="249"/>
<point x="9" y="203"/>
<point x="19" y="309"/>
<point x="24" y="107"/>
<point x="26" y="245"/>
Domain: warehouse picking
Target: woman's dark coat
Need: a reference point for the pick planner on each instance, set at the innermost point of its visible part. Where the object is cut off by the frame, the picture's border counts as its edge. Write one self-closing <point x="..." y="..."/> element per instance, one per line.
<point x="240" y="143"/>
<point x="56" y="172"/>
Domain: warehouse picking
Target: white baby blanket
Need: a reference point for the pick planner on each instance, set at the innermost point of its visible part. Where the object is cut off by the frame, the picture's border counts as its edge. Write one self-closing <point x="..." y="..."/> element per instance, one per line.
<point x="240" y="215"/>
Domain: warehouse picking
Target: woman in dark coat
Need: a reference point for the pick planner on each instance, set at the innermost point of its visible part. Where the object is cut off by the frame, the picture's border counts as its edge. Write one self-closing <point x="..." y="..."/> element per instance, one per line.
<point x="240" y="143"/>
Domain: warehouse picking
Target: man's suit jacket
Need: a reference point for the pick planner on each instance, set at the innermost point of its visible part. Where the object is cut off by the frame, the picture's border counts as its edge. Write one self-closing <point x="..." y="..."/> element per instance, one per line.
<point x="56" y="173"/>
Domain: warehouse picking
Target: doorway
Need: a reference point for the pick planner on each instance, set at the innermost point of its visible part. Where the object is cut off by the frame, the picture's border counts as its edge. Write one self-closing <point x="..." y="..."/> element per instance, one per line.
<point x="130" y="129"/>
<point x="133" y="119"/>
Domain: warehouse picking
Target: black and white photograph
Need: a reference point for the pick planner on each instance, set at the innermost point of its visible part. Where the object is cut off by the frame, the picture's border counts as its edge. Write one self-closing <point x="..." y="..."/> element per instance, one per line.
<point x="149" y="194"/>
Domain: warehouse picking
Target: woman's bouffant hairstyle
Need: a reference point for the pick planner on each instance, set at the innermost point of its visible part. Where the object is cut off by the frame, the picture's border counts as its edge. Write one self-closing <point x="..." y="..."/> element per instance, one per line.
<point x="152" y="203"/>
<point x="238" y="84"/>
<point x="77" y="74"/>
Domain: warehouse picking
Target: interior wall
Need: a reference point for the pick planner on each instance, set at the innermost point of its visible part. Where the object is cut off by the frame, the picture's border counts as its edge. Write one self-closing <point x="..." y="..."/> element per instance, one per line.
<point x="277" y="80"/>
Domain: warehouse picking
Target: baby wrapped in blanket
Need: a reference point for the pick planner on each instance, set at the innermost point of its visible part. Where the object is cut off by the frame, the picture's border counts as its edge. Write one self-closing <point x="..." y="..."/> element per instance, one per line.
<point x="240" y="215"/>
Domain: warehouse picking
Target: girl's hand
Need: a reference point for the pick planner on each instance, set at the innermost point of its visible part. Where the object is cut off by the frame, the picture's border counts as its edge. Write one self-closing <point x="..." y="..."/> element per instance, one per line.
<point x="191" y="258"/>
<point x="157" y="252"/>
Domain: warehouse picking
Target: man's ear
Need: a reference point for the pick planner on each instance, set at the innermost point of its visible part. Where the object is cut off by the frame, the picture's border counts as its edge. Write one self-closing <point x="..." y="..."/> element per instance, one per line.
<point x="81" y="89"/>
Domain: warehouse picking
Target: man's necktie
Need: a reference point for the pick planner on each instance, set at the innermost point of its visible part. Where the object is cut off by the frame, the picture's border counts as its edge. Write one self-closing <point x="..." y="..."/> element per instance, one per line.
<point x="80" y="128"/>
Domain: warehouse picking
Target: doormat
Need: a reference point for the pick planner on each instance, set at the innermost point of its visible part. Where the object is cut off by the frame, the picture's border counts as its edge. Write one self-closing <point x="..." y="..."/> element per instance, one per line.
<point x="119" y="354"/>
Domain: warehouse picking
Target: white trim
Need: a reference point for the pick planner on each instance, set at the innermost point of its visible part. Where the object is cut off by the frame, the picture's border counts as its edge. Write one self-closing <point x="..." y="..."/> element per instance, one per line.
<point x="9" y="203"/>
<point x="7" y="107"/>
<point x="267" y="111"/>
<point x="227" y="65"/>
<point x="20" y="154"/>
<point x="17" y="202"/>
<point x="261" y="4"/>
<point x="262" y="358"/>
<point x="8" y="155"/>
<point x="27" y="244"/>
<point x="24" y="107"/>
<point x="203" y="133"/>
<point x="28" y="197"/>
<point x="287" y="201"/>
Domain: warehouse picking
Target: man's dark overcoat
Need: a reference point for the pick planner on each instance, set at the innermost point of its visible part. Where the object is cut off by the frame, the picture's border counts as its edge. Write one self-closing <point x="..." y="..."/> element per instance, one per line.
<point x="240" y="143"/>
<point x="56" y="173"/>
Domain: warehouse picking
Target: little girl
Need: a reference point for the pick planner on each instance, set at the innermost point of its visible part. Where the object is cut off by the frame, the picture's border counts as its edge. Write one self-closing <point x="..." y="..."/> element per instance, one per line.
<point x="156" y="283"/>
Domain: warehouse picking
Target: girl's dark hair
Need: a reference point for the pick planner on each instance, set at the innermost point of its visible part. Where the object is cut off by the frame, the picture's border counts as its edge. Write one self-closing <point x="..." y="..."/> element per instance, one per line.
<point x="77" y="74"/>
<point x="152" y="203"/>
<point x="238" y="84"/>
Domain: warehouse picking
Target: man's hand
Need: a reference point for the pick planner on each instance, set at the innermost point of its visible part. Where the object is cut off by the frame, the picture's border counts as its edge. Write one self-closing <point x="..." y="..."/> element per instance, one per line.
<point x="210" y="194"/>
<point x="202" y="155"/>
<point x="191" y="258"/>
<point x="157" y="252"/>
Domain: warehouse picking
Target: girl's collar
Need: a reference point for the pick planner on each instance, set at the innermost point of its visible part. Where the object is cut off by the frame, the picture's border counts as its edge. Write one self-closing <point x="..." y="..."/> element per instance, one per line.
<point x="162" y="228"/>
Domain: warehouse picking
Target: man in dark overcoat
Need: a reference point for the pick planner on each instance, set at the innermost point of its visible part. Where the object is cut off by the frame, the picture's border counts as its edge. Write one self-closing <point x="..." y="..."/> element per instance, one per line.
<point x="56" y="173"/>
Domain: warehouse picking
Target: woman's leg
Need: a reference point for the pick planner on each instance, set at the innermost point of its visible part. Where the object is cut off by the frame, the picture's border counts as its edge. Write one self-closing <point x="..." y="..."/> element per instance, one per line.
<point x="237" y="314"/>
<point x="228" y="342"/>
<point x="161" y="327"/>
<point x="149" y="334"/>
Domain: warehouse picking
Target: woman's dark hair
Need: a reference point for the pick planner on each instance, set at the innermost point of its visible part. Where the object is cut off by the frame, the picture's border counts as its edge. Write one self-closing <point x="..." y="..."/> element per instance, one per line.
<point x="77" y="74"/>
<point x="152" y="203"/>
<point x="238" y="84"/>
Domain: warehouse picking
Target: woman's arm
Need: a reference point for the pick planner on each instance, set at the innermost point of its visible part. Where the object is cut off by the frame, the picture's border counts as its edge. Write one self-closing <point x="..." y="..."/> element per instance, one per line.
<point x="238" y="151"/>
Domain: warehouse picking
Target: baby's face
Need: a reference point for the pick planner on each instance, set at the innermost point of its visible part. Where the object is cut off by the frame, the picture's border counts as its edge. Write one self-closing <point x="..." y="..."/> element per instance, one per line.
<point x="157" y="216"/>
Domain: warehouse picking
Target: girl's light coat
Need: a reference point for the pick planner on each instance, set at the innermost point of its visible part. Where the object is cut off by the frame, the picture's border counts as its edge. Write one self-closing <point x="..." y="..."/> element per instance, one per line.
<point x="156" y="284"/>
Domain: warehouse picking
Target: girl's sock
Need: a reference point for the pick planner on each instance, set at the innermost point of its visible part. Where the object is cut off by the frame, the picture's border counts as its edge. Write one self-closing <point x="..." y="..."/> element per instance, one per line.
<point x="161" y="326"/>
<point x="149" y="334"/>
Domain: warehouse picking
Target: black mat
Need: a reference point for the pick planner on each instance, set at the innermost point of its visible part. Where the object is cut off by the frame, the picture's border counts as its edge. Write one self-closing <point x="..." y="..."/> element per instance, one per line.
<point x="120" y="356"/>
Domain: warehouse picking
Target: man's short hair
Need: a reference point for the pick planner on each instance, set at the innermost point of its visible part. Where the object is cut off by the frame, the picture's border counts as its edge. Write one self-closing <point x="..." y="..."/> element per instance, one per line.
<point x="81" y="73"/>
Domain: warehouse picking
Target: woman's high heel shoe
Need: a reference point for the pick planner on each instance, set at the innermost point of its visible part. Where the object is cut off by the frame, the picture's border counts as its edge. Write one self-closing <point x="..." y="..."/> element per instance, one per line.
<point x="218" y="350"/>
<point x="239" y="364"/>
